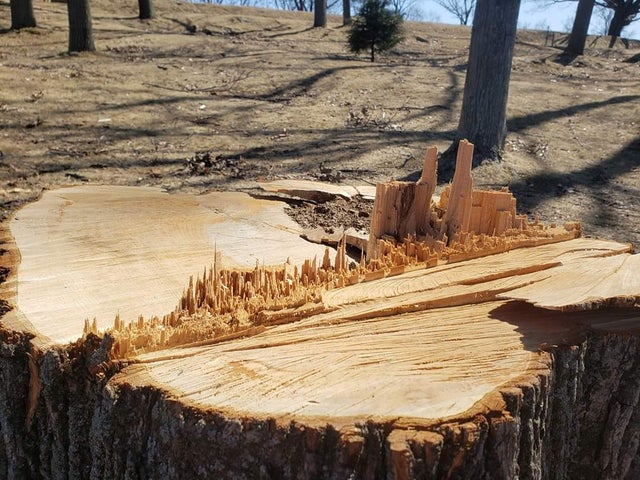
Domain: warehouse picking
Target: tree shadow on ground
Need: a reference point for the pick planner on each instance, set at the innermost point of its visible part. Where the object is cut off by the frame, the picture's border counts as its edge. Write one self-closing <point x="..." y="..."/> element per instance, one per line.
<point x="517" y="124"/>
<point x="446" y="161"/>
<point x="288" y="34"/>
<point x="533" y="190"/>
<point x="300" y="86"/>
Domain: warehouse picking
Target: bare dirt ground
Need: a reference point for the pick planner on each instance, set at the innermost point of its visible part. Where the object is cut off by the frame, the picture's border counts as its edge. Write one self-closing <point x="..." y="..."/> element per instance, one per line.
<point x="214" y="98"/>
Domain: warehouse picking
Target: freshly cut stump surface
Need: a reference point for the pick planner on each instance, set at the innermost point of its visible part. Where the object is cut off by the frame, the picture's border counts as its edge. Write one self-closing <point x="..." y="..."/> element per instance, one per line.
<point x="430" y="364"/>
<point x="427" y="344"/>
<point x="97" y="251"/>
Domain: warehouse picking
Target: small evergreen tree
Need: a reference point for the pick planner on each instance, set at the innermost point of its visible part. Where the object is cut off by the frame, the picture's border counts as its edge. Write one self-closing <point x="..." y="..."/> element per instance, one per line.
<point x="375" y="29"/>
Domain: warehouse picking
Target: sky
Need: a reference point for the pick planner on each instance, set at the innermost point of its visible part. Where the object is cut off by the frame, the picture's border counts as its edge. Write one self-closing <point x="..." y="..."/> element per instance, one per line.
<point x="534" y="14"/>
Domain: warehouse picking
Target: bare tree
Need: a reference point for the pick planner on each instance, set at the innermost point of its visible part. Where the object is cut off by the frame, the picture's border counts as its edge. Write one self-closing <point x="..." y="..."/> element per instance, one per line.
<point x="486" y="89"/>
<point x="604" y="15"/>
<point x="80" y="27"/>
<point x="299" y="5"/>
<point x="405" y="8"/>
<point x="22" y="14"/>
<point x="625" y="12"/>
<point x="578" y="36"/>
<point x="461" y="9"/>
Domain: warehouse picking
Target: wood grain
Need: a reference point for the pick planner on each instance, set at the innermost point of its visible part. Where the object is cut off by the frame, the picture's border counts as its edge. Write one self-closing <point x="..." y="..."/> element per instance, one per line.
<point x="98" y="251"/>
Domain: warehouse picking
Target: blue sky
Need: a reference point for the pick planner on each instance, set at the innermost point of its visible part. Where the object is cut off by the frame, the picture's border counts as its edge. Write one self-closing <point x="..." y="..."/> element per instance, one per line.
<point x="534" y="14"/>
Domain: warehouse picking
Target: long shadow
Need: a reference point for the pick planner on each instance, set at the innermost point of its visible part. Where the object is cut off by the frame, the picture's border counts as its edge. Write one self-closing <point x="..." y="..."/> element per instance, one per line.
<point x="539" y="326"/>
<point x="299" y="87"/>
<point x="285" y="92"/>
<point x="523" y="122"/>
<point x="188" y="26"/>
<point x="447" y="105"/>
<point x="533" y="190"/>
<point x="111" y="17"/>
<point x="287" y="34"/>
<point x="517" y="124"/>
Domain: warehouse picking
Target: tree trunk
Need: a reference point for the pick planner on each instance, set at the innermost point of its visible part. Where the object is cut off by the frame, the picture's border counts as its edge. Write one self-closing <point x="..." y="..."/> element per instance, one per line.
<point x="346" y="12"/>
<point x="580" y="28"/>
<point x="320" y="13"/>
<point x="373" y="50"/>
<point x="80" y="29"/>
<point x="22" y="14"/>
<point x="443" y="371"/>
<point x="486" y="89"/>
<point x="616" y="25"/>
<point x="146" y="9"/>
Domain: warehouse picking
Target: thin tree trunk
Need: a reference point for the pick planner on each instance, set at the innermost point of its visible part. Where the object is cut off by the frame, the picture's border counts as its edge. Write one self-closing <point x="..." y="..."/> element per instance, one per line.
<point x="580" y="28"/>
<point x="486" y="89"/>
<point x="616" y="26"/>
<point x="146" y="9"/>
<point x="22" y="14"/>
<point x="373" y="50"/>
<point x="320" y="13"/>
<point x="80" y="29"/>
<point x="346" y="12"/>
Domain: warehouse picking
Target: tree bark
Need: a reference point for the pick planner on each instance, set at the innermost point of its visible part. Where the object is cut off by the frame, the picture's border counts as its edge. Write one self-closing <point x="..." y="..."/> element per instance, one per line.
<point x="346" y="12"/>
<point x="146" y="9"/>
<point x="22" y="14"/>
<point x="80" y="28"/>
<point x="320" y="13"/>
<point x="616" y="25"/>
<point x="580" y="28"/>
<point x="486" y="89"/>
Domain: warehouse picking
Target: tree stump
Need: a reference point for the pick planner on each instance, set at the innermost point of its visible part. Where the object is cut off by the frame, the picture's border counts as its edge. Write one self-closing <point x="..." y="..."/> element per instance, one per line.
<point x="151" y="335"/>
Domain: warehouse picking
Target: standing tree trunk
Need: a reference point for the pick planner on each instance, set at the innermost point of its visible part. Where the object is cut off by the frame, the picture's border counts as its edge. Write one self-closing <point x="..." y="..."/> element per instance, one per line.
<point x="486" y="89"/>
<point x="22" y="14"/>
<point x="346" y="12"/>
<point x="580" y="28"/>
<point x="616" y="25"/>
<point x="80" y="30"/>
<point x="146" y="9"/>
<point x="320" y="13"/>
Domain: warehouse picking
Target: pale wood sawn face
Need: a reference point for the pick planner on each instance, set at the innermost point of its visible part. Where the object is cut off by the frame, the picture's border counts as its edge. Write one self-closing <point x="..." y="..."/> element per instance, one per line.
<point x="429" y="343"/>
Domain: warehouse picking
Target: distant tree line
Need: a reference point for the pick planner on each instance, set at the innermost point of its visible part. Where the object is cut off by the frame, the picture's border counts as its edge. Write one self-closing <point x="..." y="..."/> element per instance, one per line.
<point x="406" y="8"/>
<point x="616" y="14"/>
<point x="622" y="14"/>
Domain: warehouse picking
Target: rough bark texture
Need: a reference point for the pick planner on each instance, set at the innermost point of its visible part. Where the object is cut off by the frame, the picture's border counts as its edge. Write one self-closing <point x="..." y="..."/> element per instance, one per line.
<point x="580" y="28"/>
<point x="576" y="417"/>
<point x="486" y="89"/>
<point x="320" y="13"/>
<point x="80" y="27"/>
<point x="22" y="14"/>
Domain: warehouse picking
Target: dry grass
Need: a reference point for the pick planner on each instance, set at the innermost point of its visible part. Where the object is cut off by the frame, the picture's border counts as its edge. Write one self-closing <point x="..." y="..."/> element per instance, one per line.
<point x="269" y="97"/>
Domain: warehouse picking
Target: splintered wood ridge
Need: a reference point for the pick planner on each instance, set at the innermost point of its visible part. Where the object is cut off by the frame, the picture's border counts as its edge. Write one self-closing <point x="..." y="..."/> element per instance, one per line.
<point x="409" y="231"/>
